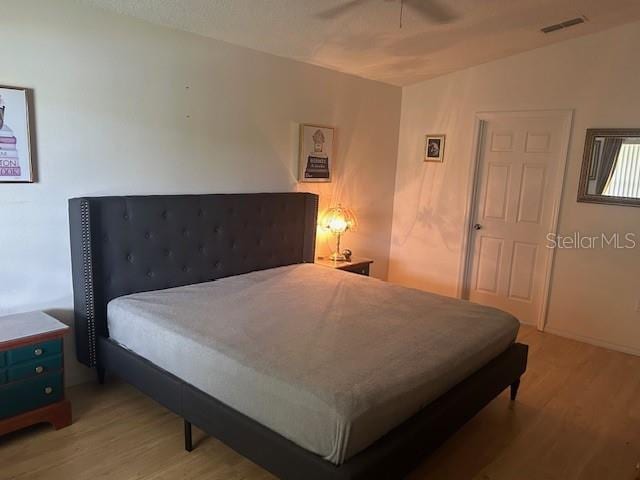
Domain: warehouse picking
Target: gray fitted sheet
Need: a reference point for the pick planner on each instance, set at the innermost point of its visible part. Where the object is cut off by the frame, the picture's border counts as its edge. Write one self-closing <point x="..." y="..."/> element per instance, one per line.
<point x="328" y="359"/>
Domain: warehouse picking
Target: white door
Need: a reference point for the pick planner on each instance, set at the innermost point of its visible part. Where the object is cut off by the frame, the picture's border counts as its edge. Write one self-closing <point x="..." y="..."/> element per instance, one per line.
<point x="521" y="159"/>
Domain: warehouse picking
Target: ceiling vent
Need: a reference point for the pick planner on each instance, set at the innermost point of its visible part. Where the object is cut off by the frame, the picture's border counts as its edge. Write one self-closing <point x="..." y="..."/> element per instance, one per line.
<point x="565" y="24"/>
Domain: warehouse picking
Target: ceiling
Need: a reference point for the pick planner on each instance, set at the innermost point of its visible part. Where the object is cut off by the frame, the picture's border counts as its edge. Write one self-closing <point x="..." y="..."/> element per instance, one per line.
<point x="368" y="42"/>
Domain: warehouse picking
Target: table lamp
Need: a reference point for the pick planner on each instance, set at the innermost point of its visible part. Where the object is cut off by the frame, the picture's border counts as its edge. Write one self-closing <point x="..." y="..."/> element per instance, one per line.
<point x="338" y="220"/>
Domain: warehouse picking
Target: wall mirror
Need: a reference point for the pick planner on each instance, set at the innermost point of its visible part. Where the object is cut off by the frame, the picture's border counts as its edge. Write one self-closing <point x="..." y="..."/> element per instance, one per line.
<point x="611" y="167"/>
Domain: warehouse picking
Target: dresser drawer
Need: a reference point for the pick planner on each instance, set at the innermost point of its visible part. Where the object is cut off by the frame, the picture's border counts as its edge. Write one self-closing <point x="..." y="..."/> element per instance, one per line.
<point x="3" y="360"/>
<point x="34" y="352"/>
<point x="3" y="376"/>
<point x="39" y="367"/>
<point x="29" y="394"/>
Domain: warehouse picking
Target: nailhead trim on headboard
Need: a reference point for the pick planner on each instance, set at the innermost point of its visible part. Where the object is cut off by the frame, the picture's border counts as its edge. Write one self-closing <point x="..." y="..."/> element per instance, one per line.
<point x="88" y="280"/>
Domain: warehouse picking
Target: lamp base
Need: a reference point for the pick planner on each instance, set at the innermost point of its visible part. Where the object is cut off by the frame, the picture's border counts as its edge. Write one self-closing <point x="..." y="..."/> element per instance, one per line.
<point x="337" y="257"/>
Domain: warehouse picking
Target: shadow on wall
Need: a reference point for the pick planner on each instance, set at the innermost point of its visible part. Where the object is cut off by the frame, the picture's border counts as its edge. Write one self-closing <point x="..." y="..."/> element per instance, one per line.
<point x="363" y="177"/>
<point x="429" y="191"/>
<point x="75" y="372"/>
<point x="430" y="198"/>
<point x="427" y="54"/>
<point x="343" y="187"/>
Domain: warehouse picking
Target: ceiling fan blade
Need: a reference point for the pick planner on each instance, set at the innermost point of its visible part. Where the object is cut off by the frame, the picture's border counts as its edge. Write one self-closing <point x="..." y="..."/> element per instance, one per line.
<point x="331" y="13"/>
<point x="433" y="10"/>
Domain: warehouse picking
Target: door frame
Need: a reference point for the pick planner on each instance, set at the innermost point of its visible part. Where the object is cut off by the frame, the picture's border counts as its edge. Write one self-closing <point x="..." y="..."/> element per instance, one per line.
<point x="481" y="119"/>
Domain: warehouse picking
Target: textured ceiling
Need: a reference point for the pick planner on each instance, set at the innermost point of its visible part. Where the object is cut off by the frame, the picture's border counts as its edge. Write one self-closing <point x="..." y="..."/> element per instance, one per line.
<point x="368" y="42"/>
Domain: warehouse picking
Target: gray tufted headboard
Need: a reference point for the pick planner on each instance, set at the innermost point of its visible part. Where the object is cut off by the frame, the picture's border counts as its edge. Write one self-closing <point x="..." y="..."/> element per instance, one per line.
<point x="123" y="245"/>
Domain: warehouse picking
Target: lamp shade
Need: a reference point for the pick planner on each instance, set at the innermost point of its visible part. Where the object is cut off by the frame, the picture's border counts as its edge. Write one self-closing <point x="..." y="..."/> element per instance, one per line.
<point x="338" y="219"/>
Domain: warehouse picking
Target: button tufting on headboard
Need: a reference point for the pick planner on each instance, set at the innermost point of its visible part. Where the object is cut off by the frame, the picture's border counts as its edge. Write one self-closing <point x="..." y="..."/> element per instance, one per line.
<point x="123" y="245"/>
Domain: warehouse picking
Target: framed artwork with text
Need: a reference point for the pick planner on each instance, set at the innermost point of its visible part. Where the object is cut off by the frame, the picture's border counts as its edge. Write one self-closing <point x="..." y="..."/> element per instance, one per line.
<point x="316" y="153"/>
<point x="15" y="141"/>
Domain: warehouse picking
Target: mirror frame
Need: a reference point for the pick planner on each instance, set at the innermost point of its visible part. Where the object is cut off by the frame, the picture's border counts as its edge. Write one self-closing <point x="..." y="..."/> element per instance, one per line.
<point x="583" y="196"/>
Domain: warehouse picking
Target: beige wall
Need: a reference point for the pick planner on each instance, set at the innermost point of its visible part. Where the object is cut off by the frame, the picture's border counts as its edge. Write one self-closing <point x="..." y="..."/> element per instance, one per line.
<point x="595" y="293"/>
<point x="124" y="107"/>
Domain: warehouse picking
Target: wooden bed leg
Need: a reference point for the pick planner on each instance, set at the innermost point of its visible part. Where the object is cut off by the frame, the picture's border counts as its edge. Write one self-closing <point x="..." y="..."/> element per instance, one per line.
<point x="101" y="374"/>
<point x="188" y="443"/>
<point x="514" y="389"/>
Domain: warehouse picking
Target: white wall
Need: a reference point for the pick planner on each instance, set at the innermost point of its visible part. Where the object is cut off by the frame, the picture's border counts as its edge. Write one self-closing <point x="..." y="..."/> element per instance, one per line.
<point x="124" y="107"/>
<point x="594" y="292"/>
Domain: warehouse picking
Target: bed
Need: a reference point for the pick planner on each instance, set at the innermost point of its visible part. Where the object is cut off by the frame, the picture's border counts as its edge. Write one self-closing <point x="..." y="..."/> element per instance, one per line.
<point x="211" y="305"/>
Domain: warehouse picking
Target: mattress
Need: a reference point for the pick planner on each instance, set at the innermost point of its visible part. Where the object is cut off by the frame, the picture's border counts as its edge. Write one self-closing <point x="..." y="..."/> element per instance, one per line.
<point x="328" y="359"/>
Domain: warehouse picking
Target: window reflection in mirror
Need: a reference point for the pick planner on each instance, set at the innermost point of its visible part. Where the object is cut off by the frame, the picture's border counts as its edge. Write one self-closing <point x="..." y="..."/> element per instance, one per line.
<point x="611" y="167"/>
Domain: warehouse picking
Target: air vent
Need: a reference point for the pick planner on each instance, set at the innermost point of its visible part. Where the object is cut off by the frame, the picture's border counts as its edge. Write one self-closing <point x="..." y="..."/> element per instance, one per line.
<point x="565" y="24"/>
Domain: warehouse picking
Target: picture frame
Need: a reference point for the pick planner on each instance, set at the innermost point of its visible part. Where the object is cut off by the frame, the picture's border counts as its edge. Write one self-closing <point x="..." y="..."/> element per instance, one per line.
<point x="434" y="148"/>
<point x="16" y="164"/>
<point x="317" y="153"/>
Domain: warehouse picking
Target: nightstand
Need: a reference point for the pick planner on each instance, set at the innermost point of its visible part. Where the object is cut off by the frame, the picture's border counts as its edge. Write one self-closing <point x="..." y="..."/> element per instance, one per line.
<point x="356" y="265"/>
<point x="32" y="372"/>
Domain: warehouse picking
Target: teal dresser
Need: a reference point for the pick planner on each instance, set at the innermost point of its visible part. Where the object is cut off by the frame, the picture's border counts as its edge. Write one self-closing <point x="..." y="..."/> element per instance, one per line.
<point x="32" y="372"/>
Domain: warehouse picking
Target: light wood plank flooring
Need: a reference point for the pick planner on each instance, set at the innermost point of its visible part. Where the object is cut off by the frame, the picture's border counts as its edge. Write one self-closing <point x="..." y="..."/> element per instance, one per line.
<point x="577" y="417"/>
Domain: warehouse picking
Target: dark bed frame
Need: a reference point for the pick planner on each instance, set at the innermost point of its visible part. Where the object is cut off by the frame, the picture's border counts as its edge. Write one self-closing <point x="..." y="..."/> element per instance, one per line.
<point x="123" y="245"/>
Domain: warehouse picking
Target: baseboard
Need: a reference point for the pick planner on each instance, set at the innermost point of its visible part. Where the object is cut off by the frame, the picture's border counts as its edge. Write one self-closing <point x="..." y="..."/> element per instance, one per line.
<point x="593" y="341"/>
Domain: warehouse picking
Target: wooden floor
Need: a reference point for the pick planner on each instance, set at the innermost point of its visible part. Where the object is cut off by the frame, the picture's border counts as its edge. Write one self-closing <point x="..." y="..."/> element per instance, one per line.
<point x="577" y="417"/>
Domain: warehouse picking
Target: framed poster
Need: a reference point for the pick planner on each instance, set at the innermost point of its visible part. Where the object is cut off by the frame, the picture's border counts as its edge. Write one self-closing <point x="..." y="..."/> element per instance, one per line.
<point x="316" y="153"/>
<point x="434" y="148"/>
<point x="15" y="143"/>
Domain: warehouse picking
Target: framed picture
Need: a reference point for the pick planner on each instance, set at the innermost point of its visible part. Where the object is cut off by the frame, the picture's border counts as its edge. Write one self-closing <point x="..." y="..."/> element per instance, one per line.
<point x="15" y="142"/>
<point x="434" y="148"/>
<point x="316" y="153"/>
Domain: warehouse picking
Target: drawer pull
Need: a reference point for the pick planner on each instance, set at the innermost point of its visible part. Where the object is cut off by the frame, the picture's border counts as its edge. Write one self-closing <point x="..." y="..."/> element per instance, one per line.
<point x="48" y="390"/>
<point x="39" y="369"/>
<point x="37" y="352"/>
